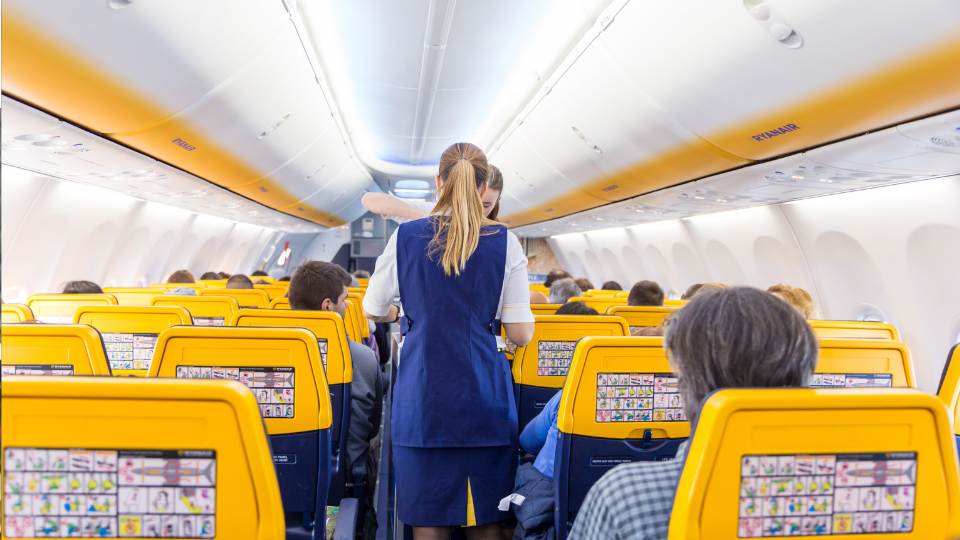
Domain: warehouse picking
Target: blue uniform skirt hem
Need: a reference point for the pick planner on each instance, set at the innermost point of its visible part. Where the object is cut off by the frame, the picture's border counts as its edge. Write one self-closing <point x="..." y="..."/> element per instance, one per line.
<point x="432" y="484"/>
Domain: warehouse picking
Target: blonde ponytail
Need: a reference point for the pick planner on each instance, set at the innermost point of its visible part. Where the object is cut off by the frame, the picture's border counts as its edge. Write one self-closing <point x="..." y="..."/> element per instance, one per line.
<point x="459" y="212"/>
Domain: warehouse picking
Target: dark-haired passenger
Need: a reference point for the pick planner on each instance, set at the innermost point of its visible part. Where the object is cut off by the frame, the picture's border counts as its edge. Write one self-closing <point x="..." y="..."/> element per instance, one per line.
<point x="555" y="275"/>
<point x="611" y="286"/>
<point x="210" y="276"/>
<point x="584" y="284"/>
<point x="284" y="278"/>
<point x="259" y="273"/>
<point x="81" y="287"/>
<point x="181" y="276"/>
<point x="646" y="293"/>
<point x="576" y="308"/>
<point x="738" y="337"/>
<point x="322" y="286"/>
<point x="239" y="281"/>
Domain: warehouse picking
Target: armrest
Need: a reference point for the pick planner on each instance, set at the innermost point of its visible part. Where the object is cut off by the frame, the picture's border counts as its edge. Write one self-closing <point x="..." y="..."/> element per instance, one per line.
<point x="348" y="519"/>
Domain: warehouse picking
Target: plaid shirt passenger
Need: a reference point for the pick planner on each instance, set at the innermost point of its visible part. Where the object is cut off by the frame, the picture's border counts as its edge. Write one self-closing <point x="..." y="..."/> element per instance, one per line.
<point x="631" y="501"/>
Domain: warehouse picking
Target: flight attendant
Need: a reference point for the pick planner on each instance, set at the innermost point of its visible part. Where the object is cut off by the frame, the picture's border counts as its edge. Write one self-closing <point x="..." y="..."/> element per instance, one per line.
<point x="454" y="425"/>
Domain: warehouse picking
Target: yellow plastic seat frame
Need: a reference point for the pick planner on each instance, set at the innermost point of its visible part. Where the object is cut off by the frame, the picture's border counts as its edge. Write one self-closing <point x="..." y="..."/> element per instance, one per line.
<point x="948" y="391"/>
<point x="59" y="308"/>
<point x="675" y="302"/>
<point x="355" y="310"/>
<point x="741" y="435"/>
<point x="876" y="362"/>
<point x="854" y="330"/>
<point x="545" y="309"/>
<point x="540" y="367"/>
<point x="600" y="303"/>
<point x="251" y="298"/>
<point x="273" y="290"/>
<point x="52" y="349"/>
<point x="642" y="316"/>
<point x="15" y="313"/>
<point x="207" y="432"/>
<point x="130" y="332"/>
<point x="135" y="296"/>
<point x="197" y="285"/>
<point x="204" y="310"/>
<point x="280" y="303"/>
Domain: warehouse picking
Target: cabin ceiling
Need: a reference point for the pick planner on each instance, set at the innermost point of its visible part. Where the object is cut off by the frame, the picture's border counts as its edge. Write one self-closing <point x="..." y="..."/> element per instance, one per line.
<point x="303" y="105"/>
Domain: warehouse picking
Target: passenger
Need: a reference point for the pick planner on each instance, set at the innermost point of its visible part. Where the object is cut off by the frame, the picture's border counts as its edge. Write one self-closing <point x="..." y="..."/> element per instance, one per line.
<point x="81" y="287"/>
<point x="361" y="274"/>
<point x="454" y="428"/>
<point x="210" y="275"/>
<point x="390" y="206"/>
<point x="645" y="293"/>
<point x="584" y="284"/>
<point x="554" y="275"/>
<point x="734" y="338"/>
<point x="576" y="308"/>
<point x="240" y="281"/>
<point x="322" y="286"/>
<point x="563" y="290"/>
<point x="223" y="275"/>
<point x="181" y="276"/>
<point x="691" y="290"/>
<point x="612" y="286"/>
<point x="795" y="296"/>
<point x="706" y="287"/>
<point x="537" y="297"/>
<point x="259" y="273"/>
<point x="284" y="278"/>
<point x="535" y="481"/>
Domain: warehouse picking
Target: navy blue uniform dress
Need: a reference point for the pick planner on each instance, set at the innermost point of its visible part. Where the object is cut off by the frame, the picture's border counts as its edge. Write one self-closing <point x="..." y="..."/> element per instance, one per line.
<point x="454" y="422"/>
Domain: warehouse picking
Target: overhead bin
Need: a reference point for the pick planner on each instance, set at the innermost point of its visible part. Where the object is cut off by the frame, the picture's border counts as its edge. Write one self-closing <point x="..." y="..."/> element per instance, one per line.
<point x="235" y="108"/>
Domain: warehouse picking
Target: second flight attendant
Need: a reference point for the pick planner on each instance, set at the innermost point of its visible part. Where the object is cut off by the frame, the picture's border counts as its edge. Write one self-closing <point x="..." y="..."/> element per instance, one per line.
<point x="454" y="426"/>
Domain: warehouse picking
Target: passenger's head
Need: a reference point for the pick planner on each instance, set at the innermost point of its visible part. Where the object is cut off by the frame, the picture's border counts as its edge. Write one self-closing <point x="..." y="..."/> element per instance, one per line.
<point x="645" y="293"/>
<point x="210" y="275"/>
<point x="258" y="273"/>
<point x="691" y="290"/>
<point x="554" y="275"/>
<point x="319" y="286"/>
<point x="576" y="308"/>
<point x="361" y="274"/>
<point x="491" y="197"/>
<point x="460" y="184"/>
<point x="223" y="275"/>
<point x="81" y="287"/>
<point x="284" y="278"/>
<point x="584" y="284"/>
<point x="537" y="297"/>
<point x="738" y="337"/>
<point x="181" y="276"/>
<point x="612" y="286"/>
<point x="795" y="296"/>
<point x="563" y="290"/>
<point x="239" y="281"/>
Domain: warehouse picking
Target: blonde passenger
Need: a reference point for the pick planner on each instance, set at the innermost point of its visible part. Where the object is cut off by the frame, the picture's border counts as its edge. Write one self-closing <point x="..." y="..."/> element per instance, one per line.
<point x="795" y="296"/>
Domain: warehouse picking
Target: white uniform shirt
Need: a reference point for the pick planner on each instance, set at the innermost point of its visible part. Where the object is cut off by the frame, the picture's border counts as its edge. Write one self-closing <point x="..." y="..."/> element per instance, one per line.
<point x="514" y="307"/>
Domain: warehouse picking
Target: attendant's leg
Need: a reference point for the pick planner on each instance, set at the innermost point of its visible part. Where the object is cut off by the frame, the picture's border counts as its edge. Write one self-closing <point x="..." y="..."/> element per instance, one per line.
<point x="490" y="531"/>
<point x="431" y="533"/>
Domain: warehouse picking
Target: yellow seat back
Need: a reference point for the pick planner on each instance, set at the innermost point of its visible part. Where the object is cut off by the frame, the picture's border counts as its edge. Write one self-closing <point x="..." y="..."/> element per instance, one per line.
<point x="16" y="313"/>
<point x="618" y="387"/>
<point x="600" y="303"/>
<point x="169" y="286"/>
<point x="273" y="290"/>
<point x="327" y="326"/>
<point x="824" y="463"/>
<point x="52" y="349"/>
<point x="129" y="333"/>
<point x="677" y="303"/>
<point x="281" y="365"/>
<point x="135" y="296"/>
<point x="544" y="309"/>
<point x="544" y="361"/>
<point x="949" y="389"/>
<point x="280" y="303"/>
<point x="641" y="316"/>
<point x="251" y="298"/>
<point x="213" y="283"/>
<point x="540" y="288"/>
<point x="364" y="282"/>
<point x="123" y="457"/>
<point x="205" y="310"/>
<point x="59" y="308"/>
<point x="355" y="311"/>
<point x="864" y="363"/>
<point x="854" y="330"/>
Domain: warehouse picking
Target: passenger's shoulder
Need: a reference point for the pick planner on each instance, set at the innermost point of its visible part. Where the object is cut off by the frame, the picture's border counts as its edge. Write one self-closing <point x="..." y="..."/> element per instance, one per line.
<point x="359" y="350"/>
<point x="633" y="477"/>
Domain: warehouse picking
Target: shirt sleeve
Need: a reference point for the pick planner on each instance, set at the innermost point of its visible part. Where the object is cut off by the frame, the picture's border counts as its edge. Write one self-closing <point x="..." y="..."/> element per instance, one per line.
<point x="384" y="285"/>
<point x="535" y="433"/>
<point x="515" y="299"/>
